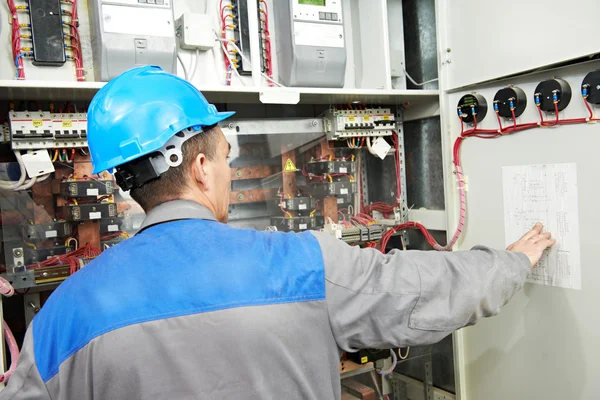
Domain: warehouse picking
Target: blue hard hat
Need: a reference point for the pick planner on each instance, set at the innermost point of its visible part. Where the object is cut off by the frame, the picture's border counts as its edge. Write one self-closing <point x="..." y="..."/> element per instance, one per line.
<point x="136" y="113"/>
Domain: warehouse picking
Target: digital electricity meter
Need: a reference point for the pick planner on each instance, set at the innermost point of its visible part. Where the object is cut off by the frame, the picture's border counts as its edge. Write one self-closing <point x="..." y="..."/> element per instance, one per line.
<point x="130" y="33"/>
<point x="311" y="46"/>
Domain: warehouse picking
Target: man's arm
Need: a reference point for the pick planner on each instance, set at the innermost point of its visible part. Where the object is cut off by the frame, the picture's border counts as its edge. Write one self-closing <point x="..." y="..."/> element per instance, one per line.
<point x="26" y="382"/>
<point x="418" y="297"/>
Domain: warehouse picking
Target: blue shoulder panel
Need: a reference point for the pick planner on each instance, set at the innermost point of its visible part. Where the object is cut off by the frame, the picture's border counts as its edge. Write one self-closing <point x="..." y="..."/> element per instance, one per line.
<point x="172" y="270"/>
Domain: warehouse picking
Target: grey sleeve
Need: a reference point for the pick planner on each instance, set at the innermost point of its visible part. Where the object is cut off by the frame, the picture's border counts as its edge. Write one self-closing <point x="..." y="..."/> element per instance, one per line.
<point x="413" y="297"/>
<point x="26" y="382"/>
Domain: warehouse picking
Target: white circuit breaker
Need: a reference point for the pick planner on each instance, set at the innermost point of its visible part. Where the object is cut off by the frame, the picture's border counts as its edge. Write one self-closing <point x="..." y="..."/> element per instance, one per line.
<point x="130" y="33"/>
<point x="353" y="123"/>
<point x="311" y="47"/>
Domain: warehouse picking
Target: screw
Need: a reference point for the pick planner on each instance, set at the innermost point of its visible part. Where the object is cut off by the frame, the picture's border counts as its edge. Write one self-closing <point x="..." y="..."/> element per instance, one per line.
<point x="239" y="174"/>
<point x="314" y="123"/>
<point x="231" y="126"/>
<point x="17" y="253"/>
<point x="241" y="196"/>
<point x="598" y="87"/>
<point x="448" y="50"/>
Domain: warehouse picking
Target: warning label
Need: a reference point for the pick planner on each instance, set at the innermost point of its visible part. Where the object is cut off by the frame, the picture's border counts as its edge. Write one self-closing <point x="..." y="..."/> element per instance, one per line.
<point x="290" y="166"/>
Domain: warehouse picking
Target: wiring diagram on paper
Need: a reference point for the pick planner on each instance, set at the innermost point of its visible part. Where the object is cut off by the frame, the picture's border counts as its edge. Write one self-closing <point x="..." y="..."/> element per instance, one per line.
<point x="546" y="193"/>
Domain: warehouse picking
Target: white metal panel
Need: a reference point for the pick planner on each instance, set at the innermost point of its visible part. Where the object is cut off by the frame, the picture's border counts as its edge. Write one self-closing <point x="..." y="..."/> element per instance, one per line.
<point x="490" y="38"/>
<point x="544" y="344"/>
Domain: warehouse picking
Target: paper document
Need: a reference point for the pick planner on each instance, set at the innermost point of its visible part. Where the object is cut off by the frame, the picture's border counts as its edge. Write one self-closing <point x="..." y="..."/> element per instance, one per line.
<point x="546" y="193"/>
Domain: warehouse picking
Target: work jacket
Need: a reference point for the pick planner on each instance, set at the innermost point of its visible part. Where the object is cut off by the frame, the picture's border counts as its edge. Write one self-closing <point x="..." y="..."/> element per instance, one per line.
<point x="191" y="308"/>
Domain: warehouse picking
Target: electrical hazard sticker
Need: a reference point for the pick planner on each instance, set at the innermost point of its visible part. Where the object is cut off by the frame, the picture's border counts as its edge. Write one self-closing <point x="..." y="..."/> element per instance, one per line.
<point x="364" y="360"/>
<point x="290" y="166"/>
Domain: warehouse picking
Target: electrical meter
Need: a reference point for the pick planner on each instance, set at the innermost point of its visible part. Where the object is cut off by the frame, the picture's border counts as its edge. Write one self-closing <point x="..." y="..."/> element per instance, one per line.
<point x="311" y="48"/>
<point x="130" y="33"/>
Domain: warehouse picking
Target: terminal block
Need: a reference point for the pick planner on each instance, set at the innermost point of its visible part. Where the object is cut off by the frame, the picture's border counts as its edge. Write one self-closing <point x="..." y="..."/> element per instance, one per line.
<point x="85" y="188"/>
<point x="41" y="254"/>
<point x="110" y="225"/>
<point x="46" y="130"/>
<point x="57" y="229"/>
<point x="86" y="212"/>
<point x="370" y="122"/>
<point x="294" y="224"/>
<point x="355" y="234"/>
<point x="330" y="167"/>
<point x="332" y="189"/>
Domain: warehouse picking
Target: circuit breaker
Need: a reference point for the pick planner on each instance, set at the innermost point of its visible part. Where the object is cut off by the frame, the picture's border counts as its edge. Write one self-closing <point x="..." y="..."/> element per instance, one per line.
<point x="311" y="48"/>
<point x="130" y="33"/>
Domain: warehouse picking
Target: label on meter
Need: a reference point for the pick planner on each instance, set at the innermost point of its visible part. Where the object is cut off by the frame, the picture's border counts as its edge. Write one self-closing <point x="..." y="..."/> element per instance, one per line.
<point x="51" y="234"/>
<point x="343" y="170"/>
<point x="302" y="207"/>
<point x="303" y="226"/>
<point x="92" y="192"/>
<point x="321" y="35"/>
<point x="340" y="200"/>
<point x="95" y="215"/>
<point x="344" y="191"/>
<point x="113" y="228"/>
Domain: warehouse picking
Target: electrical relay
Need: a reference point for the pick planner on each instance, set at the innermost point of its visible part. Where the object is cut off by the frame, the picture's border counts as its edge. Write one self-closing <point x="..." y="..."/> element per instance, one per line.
<point x="296" y="204"/>
<point x="110" y="225"/>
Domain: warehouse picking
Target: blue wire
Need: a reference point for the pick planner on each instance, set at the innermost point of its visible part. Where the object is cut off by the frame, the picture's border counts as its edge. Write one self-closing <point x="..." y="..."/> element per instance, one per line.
<point x="17" y="63"/>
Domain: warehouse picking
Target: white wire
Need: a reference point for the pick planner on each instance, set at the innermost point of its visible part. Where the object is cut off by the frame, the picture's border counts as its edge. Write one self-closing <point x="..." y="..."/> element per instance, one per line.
<point x="247" y="60"/>
<point x="371" y="148"/>
<point x="222" y="41"/>
<point x="195" y="64"/>
<point x="416" y="83"/>
<point x="394" y="363"/>
<point x="11" y="185"/>
<point x="185" y="72"/>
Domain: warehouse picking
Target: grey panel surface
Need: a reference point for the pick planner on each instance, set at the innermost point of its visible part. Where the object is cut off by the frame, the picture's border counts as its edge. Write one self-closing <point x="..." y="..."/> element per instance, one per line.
<point x="544" y="344"/>
<point x="420" y="42"/>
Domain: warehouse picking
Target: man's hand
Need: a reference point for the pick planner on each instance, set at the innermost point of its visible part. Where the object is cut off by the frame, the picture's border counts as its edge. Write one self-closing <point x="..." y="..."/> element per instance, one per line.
<point x="533" y="244"/>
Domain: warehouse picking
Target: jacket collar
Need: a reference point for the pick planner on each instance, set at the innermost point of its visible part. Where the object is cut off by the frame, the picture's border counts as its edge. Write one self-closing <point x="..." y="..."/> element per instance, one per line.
<point x="176" y="210"/>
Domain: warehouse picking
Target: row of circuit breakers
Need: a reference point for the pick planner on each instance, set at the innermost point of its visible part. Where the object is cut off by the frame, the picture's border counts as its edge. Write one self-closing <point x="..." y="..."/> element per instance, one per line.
<point x="511" y="102"/>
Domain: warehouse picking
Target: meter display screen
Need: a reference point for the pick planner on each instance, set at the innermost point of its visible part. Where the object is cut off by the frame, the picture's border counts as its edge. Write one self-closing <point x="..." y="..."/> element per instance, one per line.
<point x="312" y="2"/>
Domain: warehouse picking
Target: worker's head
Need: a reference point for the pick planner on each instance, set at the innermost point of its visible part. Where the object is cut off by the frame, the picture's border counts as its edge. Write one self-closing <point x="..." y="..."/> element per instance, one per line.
<point x="162" y="137"/>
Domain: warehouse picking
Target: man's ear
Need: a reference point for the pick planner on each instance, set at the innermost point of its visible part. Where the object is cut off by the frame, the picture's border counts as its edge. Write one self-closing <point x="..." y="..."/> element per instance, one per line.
<point x="200" y="171"/>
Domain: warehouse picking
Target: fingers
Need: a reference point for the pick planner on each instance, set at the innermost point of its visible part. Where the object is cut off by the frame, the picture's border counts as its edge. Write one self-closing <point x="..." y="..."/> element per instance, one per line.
<point x="509" y="248"/>
<point x="543" y="236"/>
<point x="537" y="229"/>
<point x="546" y="243"/>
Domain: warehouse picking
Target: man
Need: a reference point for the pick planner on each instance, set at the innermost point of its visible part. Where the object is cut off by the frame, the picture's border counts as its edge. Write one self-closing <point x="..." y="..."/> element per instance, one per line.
<point x="191" y="308"/>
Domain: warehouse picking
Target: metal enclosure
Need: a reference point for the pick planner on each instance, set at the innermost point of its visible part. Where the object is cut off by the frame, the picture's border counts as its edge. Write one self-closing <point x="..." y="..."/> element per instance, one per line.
<point x="543" y="344"/>
<point x="129" y="33"/>
<point x="312" y="46"/>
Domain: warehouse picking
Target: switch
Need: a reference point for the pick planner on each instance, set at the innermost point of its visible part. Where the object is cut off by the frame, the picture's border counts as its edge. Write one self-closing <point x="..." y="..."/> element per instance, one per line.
<point x="160" y="2"/>
<point x="321" y="15"/>
<point x="334" y="16"/>
<point x="328" y="16"/>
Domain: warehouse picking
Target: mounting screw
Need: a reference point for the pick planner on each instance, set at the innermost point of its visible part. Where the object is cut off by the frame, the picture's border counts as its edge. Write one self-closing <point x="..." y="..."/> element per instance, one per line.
<point x="241" y="196"/>
<point x="239" y="173"/>
<point x="448" y="50"/>
<point x="314" y="123"/>
<point x="17" y="253"/>
<point x="231" y="126"/>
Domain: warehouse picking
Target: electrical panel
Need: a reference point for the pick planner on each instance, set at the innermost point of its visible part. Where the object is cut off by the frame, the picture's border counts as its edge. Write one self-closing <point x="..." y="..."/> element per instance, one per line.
<point x="47" y="32"/>
<point x="127" y="33"/>
<point x="358" y="123"/>
<point x="311" y="43"/>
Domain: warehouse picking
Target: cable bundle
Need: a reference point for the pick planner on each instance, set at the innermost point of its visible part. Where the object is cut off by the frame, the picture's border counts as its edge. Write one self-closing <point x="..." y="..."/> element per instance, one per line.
<point x="74" y="39"/>
<point x="72" y="259"/>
